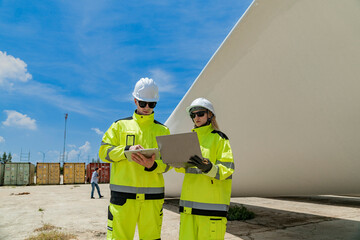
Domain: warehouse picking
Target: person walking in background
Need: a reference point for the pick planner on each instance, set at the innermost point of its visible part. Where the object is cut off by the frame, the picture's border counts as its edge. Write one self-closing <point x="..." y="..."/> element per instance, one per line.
<point x="137" y="187"/>
<point x="94" y="182"/>
<point x="206" y="189"/>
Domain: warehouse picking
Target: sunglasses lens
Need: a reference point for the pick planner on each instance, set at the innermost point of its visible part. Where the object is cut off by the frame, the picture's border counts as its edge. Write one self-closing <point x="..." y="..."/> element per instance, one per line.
<point x="143" y="104"/>
<point x="199" y="114"/>
<point x="152" y="104"/>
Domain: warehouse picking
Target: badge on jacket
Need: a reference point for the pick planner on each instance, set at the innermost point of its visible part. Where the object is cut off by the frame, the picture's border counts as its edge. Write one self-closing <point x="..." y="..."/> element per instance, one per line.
<point x="130" y="140"/>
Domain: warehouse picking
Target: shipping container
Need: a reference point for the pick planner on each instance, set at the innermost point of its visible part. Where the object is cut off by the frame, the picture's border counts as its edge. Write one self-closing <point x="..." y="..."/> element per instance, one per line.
<point x="48" y="173"/>
<point x="74" y="173"/>
<point x="2" y="169"/>
<point x="19" y="174"/>
<point x="104" y="173"/>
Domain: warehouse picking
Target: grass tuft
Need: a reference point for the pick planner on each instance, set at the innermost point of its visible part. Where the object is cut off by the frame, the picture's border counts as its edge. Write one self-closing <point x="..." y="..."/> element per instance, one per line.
<point x="52" y="235"/>
<point x="50" y="232"/>
<point x="239" y="213"/>
<point x="46" y="227"/>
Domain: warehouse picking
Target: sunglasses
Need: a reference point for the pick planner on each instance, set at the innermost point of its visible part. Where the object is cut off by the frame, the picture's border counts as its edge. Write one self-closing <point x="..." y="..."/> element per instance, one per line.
<point x="143" y="104"/>
<point x="199" y="114"/>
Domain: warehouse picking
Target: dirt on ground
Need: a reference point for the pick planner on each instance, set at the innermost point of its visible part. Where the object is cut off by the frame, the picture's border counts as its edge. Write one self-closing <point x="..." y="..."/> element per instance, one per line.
<point x="27" y="211"/>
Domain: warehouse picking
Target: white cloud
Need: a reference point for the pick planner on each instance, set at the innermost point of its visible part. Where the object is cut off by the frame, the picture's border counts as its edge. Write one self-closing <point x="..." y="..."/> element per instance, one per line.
<point x="2" y="139"/>
<point x="17" y="119"/>
<point x="85" y="148"/>
<point x="163" y="80"/>
<point x="12" y="70"/>
<point x="73" y="155"/>
<point x="71" y="145"/>
<point x="52" y="156"/>
<point x="98" y="131"/>
<point x="53" y="95"/>
<point x="53" y="152"/>
<point x="78" y="154"/>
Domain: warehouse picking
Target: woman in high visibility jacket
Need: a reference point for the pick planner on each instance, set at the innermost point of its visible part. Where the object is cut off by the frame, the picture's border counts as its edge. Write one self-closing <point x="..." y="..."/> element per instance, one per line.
<point x="206" y="190"/>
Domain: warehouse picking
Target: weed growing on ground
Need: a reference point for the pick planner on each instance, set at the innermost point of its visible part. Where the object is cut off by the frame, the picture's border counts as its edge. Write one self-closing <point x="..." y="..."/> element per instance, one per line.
<point x="53" y="235"/>
<point x="50" y="232"/>
<point x="46" y="227"/>
<point x="239" y="213"/>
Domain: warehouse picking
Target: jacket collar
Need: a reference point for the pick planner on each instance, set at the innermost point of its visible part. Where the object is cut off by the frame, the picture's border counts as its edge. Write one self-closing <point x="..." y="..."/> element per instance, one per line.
<point x="143" y="119"/>
<point x="203" y="130"/>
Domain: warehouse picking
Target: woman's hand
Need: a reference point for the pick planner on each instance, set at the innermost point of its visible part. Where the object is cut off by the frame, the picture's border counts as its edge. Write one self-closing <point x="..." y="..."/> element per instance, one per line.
<point x="203" y="164"/>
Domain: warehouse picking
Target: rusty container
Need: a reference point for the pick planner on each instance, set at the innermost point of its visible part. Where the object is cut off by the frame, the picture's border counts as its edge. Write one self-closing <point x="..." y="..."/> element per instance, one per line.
<point x="20" y="173"/>
<point x="2" y="169"/>
<point x="104" y="173"/>
<point x="74" y="173"/>
<point x="48" y="173"/>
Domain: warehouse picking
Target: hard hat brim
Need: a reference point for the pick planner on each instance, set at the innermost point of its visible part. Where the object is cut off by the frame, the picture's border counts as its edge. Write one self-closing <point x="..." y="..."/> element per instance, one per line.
<point x="146" y="99"/>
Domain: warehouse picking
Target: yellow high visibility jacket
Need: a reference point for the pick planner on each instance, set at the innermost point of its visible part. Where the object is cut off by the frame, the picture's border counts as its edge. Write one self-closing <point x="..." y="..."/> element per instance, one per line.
<point x="209" y="194"/>
<point x="127" y="177"/>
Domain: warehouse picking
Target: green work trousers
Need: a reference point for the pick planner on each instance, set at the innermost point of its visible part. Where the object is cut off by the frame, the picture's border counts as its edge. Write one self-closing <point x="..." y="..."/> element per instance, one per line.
<point x="196" y="227"/>
<point x="122" y="219"/>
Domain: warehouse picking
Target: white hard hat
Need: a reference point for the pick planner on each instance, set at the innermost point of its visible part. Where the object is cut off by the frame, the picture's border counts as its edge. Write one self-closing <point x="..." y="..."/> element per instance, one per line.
<point x="146" y="90"/>
<point x="201" y="103"/>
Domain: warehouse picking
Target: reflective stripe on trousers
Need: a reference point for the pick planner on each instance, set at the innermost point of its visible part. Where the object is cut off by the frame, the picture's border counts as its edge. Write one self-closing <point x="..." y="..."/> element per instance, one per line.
<point x="204" y="206"/>
<point x="203" y="209"/>
<point x="136" y="190"/>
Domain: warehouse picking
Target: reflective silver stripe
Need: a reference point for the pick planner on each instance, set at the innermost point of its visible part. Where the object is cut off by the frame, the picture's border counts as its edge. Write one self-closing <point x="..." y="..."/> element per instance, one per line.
<point x="107" y="154"/>
<point x="226" y="164"/>
<point x="217" y="174"/>
<point x="198" y="171"/>
<point x="104" y="143"/>
<point x="167" y="167"/>
<point x="128" y="189"/>
<point x="108" y="151"/>
<point x="204" y="206"/>
<point x="193" y="171"/>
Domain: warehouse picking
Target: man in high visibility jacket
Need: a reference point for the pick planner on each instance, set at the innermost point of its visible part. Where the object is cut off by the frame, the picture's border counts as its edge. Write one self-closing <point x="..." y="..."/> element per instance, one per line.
<point x="137" y="187"/>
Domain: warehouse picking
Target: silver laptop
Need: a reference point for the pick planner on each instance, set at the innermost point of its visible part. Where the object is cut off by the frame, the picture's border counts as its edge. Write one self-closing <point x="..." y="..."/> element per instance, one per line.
<point x="176" y="149"/>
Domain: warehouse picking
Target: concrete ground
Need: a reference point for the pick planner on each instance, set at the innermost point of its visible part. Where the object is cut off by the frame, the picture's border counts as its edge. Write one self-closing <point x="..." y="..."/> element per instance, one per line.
<point x="25" y="208"/>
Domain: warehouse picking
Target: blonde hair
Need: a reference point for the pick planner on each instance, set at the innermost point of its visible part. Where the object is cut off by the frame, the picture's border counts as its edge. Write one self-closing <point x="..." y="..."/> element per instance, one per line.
<point x="214" y="123"/>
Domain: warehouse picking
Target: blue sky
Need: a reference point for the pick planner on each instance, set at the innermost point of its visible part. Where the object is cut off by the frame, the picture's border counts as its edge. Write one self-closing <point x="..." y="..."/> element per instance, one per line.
<point x="84" y="58"/>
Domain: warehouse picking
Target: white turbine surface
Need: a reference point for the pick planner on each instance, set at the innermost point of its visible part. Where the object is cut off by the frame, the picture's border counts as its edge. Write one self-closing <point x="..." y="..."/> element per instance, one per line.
<point x="285" y="85"/>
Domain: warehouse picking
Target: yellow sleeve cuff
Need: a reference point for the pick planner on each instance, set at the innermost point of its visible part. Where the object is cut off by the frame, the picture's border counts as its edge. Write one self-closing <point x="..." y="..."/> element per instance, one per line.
<point x="213" y="171"/>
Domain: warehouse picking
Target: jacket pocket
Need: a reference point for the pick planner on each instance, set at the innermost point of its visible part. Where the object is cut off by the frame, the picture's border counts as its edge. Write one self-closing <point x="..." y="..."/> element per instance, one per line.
<point x="118" y="200"/>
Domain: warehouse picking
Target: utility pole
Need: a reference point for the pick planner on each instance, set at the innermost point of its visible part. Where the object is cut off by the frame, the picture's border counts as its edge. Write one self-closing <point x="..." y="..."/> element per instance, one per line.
<point x="63" y="156"/>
